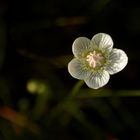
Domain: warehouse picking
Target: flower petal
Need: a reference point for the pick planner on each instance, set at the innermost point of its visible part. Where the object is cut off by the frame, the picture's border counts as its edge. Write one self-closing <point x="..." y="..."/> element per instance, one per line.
<point x="102" y="41"/>
<point x="77" y="69"/>
<point x="97" y="80"/>
<point x="80" y="45"/>
<point x="118" y="60"/>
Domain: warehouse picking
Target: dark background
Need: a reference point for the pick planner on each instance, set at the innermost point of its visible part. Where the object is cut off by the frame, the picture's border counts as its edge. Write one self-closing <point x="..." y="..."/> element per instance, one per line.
<point x="35" y="43"/>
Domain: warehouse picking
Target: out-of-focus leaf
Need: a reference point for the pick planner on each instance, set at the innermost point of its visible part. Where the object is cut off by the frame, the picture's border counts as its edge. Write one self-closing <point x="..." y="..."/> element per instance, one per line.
<point x="74" y="110"/>
<point x="18" y="119"/>
<point x="107" y="114"/>
<point x="61" y="61"/>
<point x="125" y="115"/>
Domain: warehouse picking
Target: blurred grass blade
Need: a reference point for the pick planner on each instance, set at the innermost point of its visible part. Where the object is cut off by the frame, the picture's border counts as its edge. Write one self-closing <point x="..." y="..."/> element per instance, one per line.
<point x="89" y="93"/>
<point x="74" y="110"/>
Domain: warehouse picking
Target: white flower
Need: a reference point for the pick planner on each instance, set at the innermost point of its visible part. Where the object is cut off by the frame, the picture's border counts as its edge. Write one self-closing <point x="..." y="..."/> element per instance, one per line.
<point x="95" y="60"/>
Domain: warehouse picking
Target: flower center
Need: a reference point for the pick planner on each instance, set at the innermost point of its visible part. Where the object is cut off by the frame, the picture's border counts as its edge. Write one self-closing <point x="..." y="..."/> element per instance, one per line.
<point x="95" y="59"/>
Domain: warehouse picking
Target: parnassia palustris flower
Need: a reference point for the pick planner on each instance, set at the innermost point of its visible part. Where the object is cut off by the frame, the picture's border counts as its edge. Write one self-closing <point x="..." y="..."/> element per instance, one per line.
<point x="96" y="59"/>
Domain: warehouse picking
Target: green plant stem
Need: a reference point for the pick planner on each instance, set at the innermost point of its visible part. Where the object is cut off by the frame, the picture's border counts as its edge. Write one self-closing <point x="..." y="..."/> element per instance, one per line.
<point x="66" y="103"/>
<point x="76" y="88"/>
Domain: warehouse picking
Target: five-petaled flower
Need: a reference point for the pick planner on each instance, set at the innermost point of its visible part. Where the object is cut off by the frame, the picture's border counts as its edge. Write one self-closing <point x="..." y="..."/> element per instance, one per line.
<point x="95" y="60"/>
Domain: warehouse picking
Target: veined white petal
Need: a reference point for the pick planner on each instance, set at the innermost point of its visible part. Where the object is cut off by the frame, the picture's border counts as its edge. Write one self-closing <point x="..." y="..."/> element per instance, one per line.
<point x="77" y="69"/>
<point x="118" y="60"/>
<point x="80" y="45"/>
<point x="97" y="80"/>
<point x="102" y="41"/>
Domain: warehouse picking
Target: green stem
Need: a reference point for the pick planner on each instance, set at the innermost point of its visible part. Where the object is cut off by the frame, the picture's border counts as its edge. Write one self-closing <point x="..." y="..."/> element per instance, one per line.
<point x="59" y="108"/>
<point x="76" y="88"/>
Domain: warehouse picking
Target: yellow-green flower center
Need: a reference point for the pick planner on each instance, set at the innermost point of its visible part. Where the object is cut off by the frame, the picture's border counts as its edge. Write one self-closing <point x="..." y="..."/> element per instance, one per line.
<point x="95" y="59"/>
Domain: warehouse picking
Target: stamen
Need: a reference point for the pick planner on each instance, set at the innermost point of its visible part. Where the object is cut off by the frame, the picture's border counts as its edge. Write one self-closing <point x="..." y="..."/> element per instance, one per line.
<point x="95" y="59"/>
